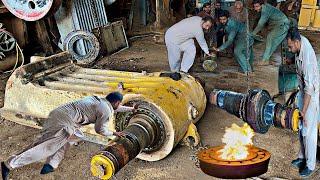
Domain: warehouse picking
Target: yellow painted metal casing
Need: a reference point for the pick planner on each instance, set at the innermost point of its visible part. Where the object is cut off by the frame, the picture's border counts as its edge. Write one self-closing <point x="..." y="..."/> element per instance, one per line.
<point x="37" y="88"/>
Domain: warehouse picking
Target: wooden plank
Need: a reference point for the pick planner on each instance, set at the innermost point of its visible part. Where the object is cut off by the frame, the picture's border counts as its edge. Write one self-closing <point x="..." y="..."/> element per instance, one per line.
<point x="43" y="37"/>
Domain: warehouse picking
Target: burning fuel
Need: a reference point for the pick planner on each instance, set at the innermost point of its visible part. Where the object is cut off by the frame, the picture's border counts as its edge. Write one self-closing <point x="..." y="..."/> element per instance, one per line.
<point x="238" y="158"/>
<point x="236" y="139"/>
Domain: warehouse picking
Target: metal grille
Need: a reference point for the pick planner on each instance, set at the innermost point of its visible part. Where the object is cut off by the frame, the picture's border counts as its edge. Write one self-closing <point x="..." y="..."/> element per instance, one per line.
<point x="85" y="12"/>
<point x="87" y="15"/>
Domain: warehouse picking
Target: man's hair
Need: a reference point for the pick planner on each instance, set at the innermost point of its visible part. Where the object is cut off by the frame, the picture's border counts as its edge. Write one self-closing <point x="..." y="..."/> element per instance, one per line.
<point x="293" y="34"/>
<point x="258" y="2"/>
<point x="206" y="4"/>
<point x="239" y="1"/>
<point x="208" y="18"/>
<point x="114" y="97"/>
<point x="218" y="2"/>
<point x="224" y="13"/>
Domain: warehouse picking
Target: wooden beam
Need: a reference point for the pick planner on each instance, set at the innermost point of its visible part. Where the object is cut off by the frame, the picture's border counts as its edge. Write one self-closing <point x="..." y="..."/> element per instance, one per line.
<point x="43" y="37"/>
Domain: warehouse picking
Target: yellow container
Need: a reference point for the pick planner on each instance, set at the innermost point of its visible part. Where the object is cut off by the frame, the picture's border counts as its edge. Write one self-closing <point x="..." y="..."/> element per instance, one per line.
<point x="309" y="2"/>
<point x="316" y="22"/>
<point x="309" y="18"/>
<point x="305" y="18"/>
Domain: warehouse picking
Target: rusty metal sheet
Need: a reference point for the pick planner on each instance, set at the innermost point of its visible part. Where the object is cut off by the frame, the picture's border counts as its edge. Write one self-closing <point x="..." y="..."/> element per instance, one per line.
<point x="112" y="38"/>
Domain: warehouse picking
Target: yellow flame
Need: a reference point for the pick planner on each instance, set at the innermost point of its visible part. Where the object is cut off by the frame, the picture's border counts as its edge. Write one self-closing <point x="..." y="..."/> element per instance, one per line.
<point x="236" y="139"/>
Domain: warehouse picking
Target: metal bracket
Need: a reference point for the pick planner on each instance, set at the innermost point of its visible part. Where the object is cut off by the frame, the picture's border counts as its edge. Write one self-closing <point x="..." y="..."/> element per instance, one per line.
<point x="192" y="137"/>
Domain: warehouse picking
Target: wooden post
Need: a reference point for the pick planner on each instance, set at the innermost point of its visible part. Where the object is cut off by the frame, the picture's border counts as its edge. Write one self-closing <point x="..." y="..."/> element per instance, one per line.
<point x="158" y="18"/>
<point x="43" y="37"/>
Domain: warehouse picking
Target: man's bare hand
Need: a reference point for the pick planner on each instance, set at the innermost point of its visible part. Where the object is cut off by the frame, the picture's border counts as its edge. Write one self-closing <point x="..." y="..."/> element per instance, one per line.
<point x="119" y="134"/>
<point x="216" y="49"/>
<point x="303" y="118"/>
<point x="286" y="61"/>
<point x="135" y="107"/>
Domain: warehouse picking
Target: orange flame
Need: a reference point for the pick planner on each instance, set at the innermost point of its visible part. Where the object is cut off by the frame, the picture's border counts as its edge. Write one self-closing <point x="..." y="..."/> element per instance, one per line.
<point x="236" y="139"/>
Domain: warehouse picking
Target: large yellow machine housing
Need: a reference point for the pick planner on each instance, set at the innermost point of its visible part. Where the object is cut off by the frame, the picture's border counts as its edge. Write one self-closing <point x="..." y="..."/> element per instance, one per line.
<point x="35" y="89"/>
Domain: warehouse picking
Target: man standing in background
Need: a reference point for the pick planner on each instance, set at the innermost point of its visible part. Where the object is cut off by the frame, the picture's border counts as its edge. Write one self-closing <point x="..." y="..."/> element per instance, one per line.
<point x="179" y="39"/>
<point x="279" y="27"/>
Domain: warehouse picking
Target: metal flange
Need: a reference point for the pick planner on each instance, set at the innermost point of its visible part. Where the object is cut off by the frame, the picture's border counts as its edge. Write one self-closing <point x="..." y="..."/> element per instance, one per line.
<point x="147" y="110"/>
<point x="255" y="164"/>
<point x="82" y="45"/>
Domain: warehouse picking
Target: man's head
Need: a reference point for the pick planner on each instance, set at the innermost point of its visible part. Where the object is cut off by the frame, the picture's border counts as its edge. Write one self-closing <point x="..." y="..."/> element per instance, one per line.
<point x="294" y="40"/>
<point x="217" y="5"/>
<point x="257" y="5"/>
<point x="207" y="7"/>
<point x="223" y="17"/>
<point x="207" y="22"/>
<point x="115" y="99"/>
<point x="238" y="6"/>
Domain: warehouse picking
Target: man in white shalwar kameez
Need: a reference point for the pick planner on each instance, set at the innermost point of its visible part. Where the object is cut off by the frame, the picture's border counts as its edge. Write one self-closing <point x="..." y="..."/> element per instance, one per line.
<point x="179" y="39"/>
<point x="62" y="128"/>
<point x="308" y="101"/>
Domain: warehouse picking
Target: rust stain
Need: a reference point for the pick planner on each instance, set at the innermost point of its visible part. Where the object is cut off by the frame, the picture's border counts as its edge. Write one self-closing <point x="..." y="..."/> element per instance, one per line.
<point x="9" y="85"/>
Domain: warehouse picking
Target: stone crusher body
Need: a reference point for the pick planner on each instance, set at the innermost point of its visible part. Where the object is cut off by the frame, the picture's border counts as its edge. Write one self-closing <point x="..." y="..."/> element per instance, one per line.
<point x="167" y="108"/>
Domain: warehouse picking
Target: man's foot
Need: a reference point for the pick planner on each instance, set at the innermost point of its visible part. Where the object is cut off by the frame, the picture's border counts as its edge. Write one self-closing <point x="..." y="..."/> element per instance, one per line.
<point x="4" y="171"/>
<point x="306" y="172"/>
<point x="47" y="168"/>
<point x="299" y="163"/>
<point x="175" y="76"/>
<point x="262" y="63"/>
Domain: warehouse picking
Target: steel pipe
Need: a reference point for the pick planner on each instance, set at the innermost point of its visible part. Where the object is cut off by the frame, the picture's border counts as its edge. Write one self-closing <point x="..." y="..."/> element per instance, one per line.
<point x="257" y="109"/>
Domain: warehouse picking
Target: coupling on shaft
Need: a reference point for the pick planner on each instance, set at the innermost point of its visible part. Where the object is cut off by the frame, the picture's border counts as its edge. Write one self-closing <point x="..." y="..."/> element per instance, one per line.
<point x="257" y="109"/>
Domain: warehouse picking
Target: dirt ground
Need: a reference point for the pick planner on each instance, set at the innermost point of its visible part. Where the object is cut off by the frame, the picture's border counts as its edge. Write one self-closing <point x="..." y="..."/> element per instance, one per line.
<point x="145" y="55"/>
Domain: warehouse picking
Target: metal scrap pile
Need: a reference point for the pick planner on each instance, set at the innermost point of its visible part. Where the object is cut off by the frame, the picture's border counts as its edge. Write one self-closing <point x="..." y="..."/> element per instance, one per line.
<point x="78" y="26"/>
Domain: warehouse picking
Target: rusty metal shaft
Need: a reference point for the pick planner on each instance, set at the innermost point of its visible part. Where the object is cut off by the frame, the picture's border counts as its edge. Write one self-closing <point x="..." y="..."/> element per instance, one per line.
<point x="142" y="132"/>
<point x="257" y="109"/>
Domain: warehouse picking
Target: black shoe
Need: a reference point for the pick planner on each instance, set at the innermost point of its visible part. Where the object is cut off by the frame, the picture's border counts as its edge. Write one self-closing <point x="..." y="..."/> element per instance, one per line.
<point x="175" y="76"/>
<point x="47" y="168"/>
<point x="4" y="171"/>
<point x="306" y="172"/>
<point x="299" y="163"/>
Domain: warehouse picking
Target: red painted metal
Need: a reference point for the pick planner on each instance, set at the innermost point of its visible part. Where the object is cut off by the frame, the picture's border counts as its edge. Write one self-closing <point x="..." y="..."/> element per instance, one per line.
<point x="31" y="10"/>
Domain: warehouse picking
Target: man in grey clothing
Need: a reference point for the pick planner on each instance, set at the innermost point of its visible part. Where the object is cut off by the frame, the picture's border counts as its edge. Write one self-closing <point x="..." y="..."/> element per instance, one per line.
<point x="62" y="129"/>
<point x="179" y="38"/>
<point x="308" y="101"/>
